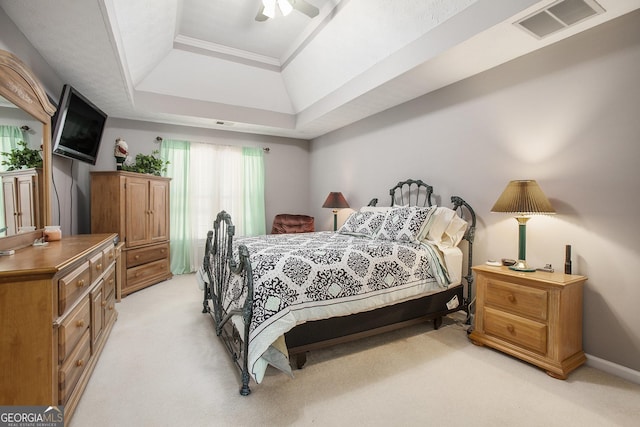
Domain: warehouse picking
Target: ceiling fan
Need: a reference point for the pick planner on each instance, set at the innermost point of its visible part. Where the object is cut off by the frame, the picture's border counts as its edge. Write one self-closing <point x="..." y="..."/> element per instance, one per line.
<point x="268" y="8"/>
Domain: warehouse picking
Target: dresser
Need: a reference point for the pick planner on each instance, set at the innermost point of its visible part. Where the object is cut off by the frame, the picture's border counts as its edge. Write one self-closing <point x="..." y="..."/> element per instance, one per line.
<point x="136" y="207"/>
<point x="57" y="308"/>
<point x="534" y="316"/>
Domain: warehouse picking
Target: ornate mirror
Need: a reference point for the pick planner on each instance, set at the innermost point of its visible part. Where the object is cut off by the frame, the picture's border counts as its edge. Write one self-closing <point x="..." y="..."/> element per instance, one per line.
<point x="21" y="88"/>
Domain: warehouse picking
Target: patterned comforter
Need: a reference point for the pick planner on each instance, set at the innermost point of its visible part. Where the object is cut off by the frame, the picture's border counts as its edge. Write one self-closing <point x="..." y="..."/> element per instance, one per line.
<point x="311" y="276"/>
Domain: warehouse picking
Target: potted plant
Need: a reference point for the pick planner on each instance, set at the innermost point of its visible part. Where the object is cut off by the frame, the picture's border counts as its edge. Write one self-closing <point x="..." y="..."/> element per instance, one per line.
<point x="147" y="163"/>
<point x="22" y="157"/>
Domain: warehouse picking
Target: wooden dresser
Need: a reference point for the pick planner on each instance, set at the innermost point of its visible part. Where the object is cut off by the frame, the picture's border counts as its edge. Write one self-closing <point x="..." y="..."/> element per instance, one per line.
<point x="136" y="206"/>
<point x="534" y="316"/>
<point x="57" y="308"/>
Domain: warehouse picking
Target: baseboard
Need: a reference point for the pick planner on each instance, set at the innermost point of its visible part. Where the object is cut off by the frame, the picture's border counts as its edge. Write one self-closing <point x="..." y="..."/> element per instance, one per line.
<point x="613" y="369"/>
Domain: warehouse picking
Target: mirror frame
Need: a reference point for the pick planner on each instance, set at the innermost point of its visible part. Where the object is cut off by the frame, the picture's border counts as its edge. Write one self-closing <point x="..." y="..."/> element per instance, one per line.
<point x="20" y="86"/>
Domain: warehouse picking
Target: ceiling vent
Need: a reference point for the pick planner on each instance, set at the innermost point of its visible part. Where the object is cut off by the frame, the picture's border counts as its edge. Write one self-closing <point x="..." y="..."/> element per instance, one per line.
<point x="559" y="15"/>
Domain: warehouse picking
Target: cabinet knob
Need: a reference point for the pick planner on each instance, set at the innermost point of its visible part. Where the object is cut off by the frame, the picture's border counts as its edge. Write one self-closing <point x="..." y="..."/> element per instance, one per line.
<point x="111" y="307"/>
<point x="137" y="257"/>
<point x="80" y="323"/>
<point x="103" y="303"/>
<point x="80" y="283"/>
<point x="79" y="362"/>
<point x="511" y="298"/>
<point x="510" y="328"/>
<point x="99" y="266"/>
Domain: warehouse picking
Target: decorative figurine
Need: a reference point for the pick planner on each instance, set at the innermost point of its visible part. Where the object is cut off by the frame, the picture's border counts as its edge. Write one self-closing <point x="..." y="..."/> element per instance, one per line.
<point x="120" y="152"/>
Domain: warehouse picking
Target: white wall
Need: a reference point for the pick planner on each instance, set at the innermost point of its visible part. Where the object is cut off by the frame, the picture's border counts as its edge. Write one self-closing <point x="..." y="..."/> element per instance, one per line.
<point x="567" y="116"/>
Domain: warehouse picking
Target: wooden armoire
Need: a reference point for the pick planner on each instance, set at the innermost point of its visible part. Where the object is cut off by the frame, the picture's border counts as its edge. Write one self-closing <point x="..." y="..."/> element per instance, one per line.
<point x="136" y="206"/>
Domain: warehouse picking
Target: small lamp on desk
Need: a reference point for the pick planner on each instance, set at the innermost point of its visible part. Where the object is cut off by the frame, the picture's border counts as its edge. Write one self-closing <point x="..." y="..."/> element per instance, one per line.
<point x="335" y="200"/>
<point x="524" y="198"/>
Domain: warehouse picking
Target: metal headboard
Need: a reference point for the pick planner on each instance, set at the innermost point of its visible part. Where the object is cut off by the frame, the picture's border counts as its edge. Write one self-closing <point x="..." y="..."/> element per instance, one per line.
<point x="412" y="192"/>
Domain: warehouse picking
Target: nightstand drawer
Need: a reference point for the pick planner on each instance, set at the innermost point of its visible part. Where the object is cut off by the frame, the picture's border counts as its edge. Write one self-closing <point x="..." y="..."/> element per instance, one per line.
<point x="522" y="300"/>
<point x="523" y="332"/>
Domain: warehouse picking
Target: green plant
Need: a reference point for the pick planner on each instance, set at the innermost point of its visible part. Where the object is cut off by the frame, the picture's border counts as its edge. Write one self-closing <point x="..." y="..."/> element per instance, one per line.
<point x="148" y="163"/>
<point x="22" y="157"/>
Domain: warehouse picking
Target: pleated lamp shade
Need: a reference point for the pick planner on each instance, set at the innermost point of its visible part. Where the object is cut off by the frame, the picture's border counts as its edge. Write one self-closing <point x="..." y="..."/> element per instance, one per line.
<point x="523" y="197"/>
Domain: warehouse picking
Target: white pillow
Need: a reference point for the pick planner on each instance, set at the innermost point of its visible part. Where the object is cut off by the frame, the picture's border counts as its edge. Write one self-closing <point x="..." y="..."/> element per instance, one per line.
<point x="405" y="224"/>
<point x="366" y="222"/>
<point x="447" y="228"/>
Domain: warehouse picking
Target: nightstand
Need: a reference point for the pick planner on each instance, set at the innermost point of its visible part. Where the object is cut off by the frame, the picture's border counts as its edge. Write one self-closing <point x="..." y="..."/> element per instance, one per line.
<point x="536" y="317"/>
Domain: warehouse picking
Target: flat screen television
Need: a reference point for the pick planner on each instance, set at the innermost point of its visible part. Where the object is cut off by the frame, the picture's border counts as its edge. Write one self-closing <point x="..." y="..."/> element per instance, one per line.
<point x="77" y="127"/>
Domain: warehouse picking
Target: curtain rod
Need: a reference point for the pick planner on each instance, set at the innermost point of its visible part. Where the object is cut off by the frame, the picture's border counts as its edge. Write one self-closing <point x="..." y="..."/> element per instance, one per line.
<point x="265" y="149"/>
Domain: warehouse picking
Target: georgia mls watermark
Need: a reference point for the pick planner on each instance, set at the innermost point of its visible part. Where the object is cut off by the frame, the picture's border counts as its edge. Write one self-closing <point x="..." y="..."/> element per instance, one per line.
<point x="31" y="416"/>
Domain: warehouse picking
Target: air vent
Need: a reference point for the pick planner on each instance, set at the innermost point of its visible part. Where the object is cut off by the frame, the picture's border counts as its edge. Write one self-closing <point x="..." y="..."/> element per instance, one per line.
<point x="559" y="15"/>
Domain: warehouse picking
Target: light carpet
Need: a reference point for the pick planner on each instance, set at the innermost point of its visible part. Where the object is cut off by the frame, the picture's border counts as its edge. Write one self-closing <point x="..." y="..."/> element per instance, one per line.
<point x="163" y="366"/>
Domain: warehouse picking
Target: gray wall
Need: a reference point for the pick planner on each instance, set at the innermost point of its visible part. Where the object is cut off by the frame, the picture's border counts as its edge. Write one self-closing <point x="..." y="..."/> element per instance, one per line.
<point x="567" y="116"/>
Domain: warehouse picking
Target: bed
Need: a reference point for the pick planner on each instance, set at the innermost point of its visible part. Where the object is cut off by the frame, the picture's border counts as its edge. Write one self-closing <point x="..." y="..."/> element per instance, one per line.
<point x="273" y="298"/>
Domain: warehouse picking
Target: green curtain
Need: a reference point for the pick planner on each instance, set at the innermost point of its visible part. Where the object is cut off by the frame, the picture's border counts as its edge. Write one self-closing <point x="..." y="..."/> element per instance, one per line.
<point x="9" y="137"/>
<point x="177" y="153"/>
<point x="254" y="210"/>
<point x="206" y="179"/>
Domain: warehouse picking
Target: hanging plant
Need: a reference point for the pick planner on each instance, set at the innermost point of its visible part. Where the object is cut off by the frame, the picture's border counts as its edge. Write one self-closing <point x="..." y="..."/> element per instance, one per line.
<point x="22" y="157"/>
<point x="147" y="163"/>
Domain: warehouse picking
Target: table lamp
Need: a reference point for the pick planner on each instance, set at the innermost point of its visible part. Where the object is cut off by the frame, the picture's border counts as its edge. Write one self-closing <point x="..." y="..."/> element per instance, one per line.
<point x="524" y="198"/>
<point x="335" y="200"/>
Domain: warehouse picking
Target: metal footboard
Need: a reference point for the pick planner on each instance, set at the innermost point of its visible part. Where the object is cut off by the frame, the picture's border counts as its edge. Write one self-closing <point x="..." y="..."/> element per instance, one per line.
<point x="219" y="265"/>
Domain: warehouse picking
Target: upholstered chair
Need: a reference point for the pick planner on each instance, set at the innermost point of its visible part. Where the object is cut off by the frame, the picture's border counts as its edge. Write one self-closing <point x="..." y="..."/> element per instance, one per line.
<point x="290" y="223"/>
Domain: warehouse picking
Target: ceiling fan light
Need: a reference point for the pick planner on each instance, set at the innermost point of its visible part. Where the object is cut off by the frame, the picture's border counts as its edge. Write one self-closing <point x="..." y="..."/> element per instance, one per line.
<point x="269" y="8"/>
<point x="285" y="7"/>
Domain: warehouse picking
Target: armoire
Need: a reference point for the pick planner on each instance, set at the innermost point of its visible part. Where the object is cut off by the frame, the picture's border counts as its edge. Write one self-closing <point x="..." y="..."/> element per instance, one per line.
<point x="136" y="206"/>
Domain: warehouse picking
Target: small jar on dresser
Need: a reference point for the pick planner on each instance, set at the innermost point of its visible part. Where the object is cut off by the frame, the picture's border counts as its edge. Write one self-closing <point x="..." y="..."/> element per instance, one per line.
<point x="534" y="316"/>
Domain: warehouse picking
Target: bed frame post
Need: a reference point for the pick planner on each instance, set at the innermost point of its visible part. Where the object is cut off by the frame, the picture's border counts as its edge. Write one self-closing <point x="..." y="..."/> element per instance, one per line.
<point x="469" y="236"/>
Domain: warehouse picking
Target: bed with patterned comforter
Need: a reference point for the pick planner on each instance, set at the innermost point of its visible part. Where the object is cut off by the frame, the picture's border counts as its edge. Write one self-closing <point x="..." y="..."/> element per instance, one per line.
<point x="259" y="288"/>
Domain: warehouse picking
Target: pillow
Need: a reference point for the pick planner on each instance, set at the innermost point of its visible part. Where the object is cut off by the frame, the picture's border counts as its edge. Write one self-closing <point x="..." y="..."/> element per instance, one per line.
<point x="405" y="224"/>
<point x="364" y="222"/>
<point x="447" y="228"/>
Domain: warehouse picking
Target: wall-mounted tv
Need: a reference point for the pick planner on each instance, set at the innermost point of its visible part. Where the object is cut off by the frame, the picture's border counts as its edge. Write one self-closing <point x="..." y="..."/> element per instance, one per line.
<point x="77" y="127"/>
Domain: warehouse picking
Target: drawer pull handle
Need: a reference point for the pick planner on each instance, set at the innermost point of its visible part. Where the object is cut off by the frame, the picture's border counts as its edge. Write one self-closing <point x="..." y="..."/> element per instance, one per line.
<point x="99" y="266"/>
<point x="80" y="323"/>
<point x="511" y="298"/>
<point x="80" y="283"/>
<point x="510" y="328"/>
<point x="79" y="362"/>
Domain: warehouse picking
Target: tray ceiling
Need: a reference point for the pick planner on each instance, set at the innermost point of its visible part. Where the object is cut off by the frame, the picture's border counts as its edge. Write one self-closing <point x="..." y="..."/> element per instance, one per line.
<point x="209" y="63"/>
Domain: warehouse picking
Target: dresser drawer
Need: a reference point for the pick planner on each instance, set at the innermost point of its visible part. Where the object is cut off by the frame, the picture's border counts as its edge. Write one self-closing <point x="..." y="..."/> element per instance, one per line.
<point x="526" y="301"/>
<point x="109" y="255"/>
<point x="109" y="285"/>
<point x="110" y="309"/>
<point x="141" y="256"/>
<point x="73" y="368"/>
<point x="72" y="328"/>
<point x="97" y="314"/>
<point x="97" y="265"/>
<point x="72" y="286"/>
<point x="146" y="272"/>
<point x="518" y="330"/>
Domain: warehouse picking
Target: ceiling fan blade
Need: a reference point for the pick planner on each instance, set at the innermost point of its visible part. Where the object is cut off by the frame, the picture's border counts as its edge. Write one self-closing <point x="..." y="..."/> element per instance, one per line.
<point x="260" y="17"/>
<point x="305" y="7"/>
